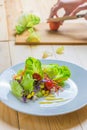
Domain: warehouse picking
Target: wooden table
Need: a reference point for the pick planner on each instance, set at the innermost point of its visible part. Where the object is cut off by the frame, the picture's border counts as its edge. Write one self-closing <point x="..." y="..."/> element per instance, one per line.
<point x="11" y="54"/>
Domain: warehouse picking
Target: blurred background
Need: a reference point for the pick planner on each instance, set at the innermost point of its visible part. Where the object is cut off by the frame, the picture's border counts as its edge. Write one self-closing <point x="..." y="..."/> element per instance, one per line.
<point x="43" y="9"/>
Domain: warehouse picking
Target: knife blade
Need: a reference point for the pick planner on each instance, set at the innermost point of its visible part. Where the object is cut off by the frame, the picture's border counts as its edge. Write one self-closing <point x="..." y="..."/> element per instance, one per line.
<point x="65" y="18"/>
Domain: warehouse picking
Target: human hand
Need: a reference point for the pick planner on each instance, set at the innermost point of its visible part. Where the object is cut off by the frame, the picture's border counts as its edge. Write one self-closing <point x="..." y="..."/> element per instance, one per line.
<point x="78" y="9"/>
<point x="71" y="7"/>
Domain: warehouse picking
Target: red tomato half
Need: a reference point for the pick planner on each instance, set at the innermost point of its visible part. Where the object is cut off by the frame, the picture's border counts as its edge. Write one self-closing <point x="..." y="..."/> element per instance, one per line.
<point x="54" y="26"/>
<point x="36" y="76"/>
<point x="49" y="84"/>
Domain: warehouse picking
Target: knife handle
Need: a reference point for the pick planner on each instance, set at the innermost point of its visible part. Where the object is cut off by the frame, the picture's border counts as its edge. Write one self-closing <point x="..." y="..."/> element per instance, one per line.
<point x="61" y="18"/>
<point x="66" y="18"/>
<point x="81" y="15"/>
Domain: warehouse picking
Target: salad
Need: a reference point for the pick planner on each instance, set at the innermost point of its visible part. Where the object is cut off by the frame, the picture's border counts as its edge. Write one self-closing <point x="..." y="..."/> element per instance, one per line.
<point x="37" y="80"/>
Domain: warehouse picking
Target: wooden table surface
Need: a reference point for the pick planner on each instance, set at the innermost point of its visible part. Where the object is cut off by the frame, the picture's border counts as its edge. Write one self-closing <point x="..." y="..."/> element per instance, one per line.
<point x="11" y="54"/>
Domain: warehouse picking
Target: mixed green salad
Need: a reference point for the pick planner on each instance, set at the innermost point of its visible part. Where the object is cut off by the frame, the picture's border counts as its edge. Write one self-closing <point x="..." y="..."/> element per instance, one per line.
<point x="38" y="80"/>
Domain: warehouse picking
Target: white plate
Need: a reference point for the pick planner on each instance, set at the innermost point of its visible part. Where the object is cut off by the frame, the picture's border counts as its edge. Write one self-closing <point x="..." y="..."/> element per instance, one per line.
<point x="75" y="90"/>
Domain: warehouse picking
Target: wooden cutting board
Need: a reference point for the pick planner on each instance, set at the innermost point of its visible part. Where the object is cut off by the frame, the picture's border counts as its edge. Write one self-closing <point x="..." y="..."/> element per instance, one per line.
<point x="68" y="34"/>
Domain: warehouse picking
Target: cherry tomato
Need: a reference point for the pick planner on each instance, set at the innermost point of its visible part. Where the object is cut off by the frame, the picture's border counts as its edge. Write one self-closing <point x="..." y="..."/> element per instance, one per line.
<point x="36" y="76"/>
<point x="54" y="26"/>
<point x="49" y="84"/>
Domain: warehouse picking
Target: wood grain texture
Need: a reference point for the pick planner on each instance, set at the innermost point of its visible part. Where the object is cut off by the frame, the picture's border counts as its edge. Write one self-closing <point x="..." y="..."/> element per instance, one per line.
<point x="82" y="116"/>
<point x="13" y="11"/>
<point x="5" y="60"/>
<point x="33" y="122"/>
<point x="68" y="54"/>
<point x="8" y="117"/>
<point x="18" y="51"/>
<point x="64" y="122"/>
<point x="40" y="7"/>
<point x="3" y="24"/>
<point x="68" y="34"/>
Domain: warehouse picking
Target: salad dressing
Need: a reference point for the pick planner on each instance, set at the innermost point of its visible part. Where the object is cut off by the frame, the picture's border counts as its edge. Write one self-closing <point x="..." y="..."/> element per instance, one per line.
<point x="53" y="99"/>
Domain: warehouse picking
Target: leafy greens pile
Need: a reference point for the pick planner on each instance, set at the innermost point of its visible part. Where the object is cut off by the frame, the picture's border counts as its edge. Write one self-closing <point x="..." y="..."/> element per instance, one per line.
<point x="27" y="22"/>
<point x="37" y="79"/>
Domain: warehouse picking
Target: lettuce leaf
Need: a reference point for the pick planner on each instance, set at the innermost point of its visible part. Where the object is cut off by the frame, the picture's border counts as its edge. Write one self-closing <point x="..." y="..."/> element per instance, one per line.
<point x="26" y="21"/>
<point x="56" y="72"/>
<point x="32" y="20"/>
<point x="63" y="74"/>
<point x="33" y="65"/>
<point x="16" y="88"/>
<point x="51" y="70"/>
<point x="22" y="23"/>
<point x="33" y="37"/>
<point x="27" y="83"/>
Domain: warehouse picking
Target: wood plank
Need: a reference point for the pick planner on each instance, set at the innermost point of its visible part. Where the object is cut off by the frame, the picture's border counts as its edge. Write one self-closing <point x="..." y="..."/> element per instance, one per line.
<point x="4" y="56"/>
<point x="82" y="115"/>
<point x="38" y="51"/>
<point x="19" y="53"/>
<point x="68" y="34"/>
<point x="13" y="11"/>
<point x="82" y="54"/>
<point x="1" y="2"/>
<point x="64" y="122"/>
<point x="3" y="24"/>
<point x="8" y="117"/>
<point x="40" y="7"/>
<point x="33" y="122"/>
<point x="68" y="54"/>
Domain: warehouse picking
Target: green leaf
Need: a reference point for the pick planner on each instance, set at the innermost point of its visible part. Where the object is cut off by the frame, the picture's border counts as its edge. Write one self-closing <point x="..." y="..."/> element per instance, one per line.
<point x="63" y="74"/>
<point x="21" y="25"/>
<point x="51" y="70"/>
<point x="16" y="88"/>
<point x="19" y="29"/>
<point x="32" y="20"/>
<point x="33" y="37"/>
<point x="33" y="65"/>
<point x="26" y="21"/>
<point x="27" y="83"/>
<point x="31" y="30"/>
<point x="56" y="72"/>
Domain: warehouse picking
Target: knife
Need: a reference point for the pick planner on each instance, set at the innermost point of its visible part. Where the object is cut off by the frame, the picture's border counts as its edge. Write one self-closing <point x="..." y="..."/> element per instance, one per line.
<point x="65" y="18"/>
